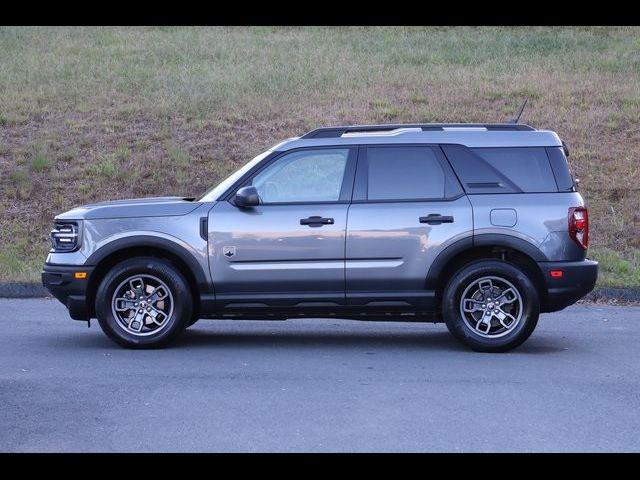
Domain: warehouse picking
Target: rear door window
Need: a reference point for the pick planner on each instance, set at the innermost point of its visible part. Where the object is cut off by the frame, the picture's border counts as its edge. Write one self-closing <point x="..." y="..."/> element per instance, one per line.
<point x="407" y="173"/>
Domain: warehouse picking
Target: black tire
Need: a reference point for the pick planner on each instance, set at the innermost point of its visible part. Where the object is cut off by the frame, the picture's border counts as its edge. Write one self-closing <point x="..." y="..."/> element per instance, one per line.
<point x="161" y="269"/>
<point x="193" y="321"/>
<point x="511" y="337"/>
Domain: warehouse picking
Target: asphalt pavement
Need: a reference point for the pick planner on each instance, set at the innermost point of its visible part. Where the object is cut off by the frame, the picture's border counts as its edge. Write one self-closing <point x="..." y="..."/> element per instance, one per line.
<point x="319" y="385"/>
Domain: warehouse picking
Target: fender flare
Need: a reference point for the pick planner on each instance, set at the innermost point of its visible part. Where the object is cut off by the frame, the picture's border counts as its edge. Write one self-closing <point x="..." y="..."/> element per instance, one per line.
<point x="480" y="240"/>
<point x="158" y="242"/>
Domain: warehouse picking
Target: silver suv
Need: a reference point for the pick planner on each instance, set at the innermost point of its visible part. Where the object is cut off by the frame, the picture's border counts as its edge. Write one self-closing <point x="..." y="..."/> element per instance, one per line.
<point x="476" y="225"/>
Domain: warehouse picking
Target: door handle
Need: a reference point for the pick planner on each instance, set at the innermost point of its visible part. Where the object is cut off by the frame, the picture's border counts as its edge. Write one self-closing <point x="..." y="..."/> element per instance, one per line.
<point x="436" y="219"/>
<point x="316" y="221"/>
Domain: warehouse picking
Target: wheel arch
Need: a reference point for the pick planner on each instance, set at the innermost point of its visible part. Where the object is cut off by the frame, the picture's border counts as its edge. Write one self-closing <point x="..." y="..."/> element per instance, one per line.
<point x="146" y="246"/>
<point x="487" y="246"/>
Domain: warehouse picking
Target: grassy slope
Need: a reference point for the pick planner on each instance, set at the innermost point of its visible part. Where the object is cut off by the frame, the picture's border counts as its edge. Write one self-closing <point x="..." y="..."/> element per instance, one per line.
<point x="90" y="114"/>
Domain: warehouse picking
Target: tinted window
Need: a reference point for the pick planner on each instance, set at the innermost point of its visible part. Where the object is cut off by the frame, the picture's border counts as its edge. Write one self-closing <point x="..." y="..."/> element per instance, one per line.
<point x="527" y="168"/>
<point x="560" y="167"/>
<point x="404" y="173"/>
<point x="475" y="174"/>
<point x="303" y="176"/>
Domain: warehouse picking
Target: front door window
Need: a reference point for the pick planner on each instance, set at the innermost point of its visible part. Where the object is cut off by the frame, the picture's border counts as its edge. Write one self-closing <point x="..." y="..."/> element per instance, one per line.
<point x="304" y="176"/>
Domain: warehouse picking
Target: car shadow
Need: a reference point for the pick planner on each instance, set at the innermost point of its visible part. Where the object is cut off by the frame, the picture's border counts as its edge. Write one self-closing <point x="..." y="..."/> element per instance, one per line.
<point x="232" y="336"/>
<point x="429" y="340"/>
<point x="318" y="338"/>
<point x="535" y="346"/>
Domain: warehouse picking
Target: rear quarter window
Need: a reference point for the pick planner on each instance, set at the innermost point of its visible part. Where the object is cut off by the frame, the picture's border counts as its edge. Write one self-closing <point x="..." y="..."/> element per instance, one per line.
<point x="502" y="169"/>
<point x="528" y="168"/>
<point x="561" y="170"/>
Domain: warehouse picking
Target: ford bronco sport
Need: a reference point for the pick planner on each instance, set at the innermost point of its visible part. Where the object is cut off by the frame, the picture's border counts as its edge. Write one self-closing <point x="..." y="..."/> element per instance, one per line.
<point x="476" y="225"/>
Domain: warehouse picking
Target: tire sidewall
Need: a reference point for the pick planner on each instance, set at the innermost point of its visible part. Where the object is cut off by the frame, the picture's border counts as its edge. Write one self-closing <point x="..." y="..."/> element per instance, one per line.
<point x="468" y="274"/>
<point x="182" y="308"/>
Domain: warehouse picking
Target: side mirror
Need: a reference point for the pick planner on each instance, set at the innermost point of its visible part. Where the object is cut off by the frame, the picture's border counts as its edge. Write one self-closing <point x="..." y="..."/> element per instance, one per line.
<point x="247" y="197"/>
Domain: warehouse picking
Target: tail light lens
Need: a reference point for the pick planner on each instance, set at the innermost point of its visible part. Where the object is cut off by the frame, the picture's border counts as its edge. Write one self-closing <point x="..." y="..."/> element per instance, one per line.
<point x="579" y="226"/>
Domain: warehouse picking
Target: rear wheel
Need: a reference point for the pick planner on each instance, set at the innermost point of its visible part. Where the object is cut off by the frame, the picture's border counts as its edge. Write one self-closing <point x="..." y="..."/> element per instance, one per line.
<point x="144" y="303"/>
<point x="491" y="306"/>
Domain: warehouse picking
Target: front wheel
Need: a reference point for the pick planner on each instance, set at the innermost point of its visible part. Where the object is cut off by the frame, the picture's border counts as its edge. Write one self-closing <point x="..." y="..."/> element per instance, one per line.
<point x="491" y="306"/>
<point x="144" y="302"/>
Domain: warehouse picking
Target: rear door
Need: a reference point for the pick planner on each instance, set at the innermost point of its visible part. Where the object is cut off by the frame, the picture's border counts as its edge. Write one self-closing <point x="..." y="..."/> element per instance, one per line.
<point x="407" y="207"/>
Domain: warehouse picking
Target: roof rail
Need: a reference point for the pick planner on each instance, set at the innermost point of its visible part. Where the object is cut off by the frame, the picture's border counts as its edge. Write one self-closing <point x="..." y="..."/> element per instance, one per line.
<point x="333" y="132"/>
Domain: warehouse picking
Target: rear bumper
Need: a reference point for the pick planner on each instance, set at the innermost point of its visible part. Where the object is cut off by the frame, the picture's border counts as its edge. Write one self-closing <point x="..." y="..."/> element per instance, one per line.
<point x="72" y="292"/>
<point x="578" y="279"/>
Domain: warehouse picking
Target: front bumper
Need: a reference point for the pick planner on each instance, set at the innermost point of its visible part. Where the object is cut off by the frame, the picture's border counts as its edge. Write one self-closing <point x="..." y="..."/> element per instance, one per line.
<point x="72" y="292"/>
<point x="578" y="279"/>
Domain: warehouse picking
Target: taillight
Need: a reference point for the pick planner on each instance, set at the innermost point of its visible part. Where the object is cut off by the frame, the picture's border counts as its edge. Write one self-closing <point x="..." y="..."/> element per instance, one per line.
<point x="579" y="226"/>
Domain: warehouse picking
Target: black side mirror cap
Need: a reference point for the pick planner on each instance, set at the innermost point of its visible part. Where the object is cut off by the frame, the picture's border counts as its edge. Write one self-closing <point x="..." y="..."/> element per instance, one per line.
<point x="247" y="197"/>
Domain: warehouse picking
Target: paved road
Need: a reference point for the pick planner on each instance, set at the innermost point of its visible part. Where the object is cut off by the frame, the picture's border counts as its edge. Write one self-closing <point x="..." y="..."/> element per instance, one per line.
<point x="319" y="385"/>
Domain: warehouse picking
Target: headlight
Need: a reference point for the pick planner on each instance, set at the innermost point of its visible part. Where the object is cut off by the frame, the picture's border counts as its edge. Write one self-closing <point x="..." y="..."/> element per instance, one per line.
<point x="65" y="237"/>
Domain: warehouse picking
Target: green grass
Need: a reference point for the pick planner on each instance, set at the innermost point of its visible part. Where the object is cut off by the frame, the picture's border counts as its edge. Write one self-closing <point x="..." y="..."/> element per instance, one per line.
<point x="20" y="181"/>
<point x="89" y="114"/>
<point x="107" y="168"/>
<point x="110" y="166"/>
<point x="616" y="270"/>
<point x="39" y="159"/>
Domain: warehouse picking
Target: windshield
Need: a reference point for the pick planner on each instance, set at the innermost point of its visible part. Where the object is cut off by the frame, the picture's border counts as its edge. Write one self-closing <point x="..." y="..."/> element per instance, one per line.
<point x="213" y="194"/>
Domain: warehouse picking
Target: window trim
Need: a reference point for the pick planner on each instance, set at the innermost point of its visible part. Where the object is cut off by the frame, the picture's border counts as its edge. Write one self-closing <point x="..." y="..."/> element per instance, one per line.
<point x="361" y="184"/>
<point x="347" y="180"/>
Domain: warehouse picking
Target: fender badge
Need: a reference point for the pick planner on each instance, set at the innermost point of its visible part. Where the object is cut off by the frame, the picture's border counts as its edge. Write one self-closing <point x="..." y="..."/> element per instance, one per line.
<point x="228" y="251"/>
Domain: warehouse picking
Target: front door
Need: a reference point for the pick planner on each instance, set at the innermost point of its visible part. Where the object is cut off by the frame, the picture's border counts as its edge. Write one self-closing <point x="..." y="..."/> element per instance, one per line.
<point x="407" y="207"/>
<point x="288" y="251"/>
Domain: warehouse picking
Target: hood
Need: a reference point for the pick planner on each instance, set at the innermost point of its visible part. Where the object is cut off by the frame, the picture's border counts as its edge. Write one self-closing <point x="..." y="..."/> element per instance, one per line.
<point x="138" y="207"/>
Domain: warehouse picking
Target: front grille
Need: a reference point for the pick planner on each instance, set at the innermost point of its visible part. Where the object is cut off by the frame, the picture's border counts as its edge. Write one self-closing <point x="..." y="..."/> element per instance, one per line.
<point x="65" y="237"/>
